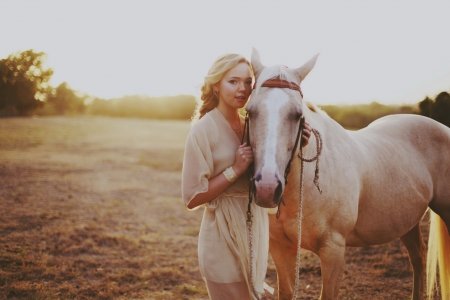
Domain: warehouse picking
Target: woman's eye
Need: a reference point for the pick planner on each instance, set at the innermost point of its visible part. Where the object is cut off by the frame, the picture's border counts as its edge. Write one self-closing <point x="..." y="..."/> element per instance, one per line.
<point x="249" y="82"/>
<point x="233" y="81"/>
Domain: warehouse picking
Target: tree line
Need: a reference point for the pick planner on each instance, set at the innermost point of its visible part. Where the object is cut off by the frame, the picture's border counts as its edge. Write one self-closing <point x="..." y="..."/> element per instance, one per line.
<point x="25" y="90"/>
<point x="360" y="115"/>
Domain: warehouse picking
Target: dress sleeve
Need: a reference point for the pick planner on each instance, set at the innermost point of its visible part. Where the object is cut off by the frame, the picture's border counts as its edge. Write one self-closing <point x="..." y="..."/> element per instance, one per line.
<point x="197" y="165"/>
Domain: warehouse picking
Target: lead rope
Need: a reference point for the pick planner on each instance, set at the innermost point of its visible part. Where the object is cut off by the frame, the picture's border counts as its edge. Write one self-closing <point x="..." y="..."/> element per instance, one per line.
<point x="250" y="244"/>
<point x="249" y="212"/>
<point x="300" y="203"/>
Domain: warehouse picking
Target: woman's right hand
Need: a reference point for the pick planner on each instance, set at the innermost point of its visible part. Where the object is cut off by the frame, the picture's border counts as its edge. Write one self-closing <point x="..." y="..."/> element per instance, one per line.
<point x="244" y="157"/>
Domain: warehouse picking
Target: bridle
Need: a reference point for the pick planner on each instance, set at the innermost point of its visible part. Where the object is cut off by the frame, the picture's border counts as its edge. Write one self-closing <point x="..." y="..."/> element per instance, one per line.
<point x="275" y="82"/>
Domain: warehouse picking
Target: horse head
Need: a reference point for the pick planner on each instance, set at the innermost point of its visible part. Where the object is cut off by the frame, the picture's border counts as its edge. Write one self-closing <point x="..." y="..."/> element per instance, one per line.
<point x="274" y="112"/>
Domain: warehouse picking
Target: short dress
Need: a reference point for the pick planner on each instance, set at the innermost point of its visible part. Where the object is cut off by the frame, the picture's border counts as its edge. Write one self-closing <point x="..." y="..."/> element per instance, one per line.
<point x="223" y="247"/>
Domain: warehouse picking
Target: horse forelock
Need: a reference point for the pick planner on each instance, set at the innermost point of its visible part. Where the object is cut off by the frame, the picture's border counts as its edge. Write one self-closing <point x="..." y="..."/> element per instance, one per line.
<point x="285" y="74"/>
<point x="276" y="71"/>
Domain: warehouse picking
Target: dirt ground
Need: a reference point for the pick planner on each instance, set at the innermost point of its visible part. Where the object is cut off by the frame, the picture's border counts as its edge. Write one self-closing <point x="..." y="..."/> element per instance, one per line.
<point x="91" y="209"/>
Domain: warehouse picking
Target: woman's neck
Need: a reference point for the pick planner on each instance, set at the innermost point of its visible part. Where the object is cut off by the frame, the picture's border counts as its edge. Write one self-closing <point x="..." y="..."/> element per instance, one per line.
<point x="230" y="114"/>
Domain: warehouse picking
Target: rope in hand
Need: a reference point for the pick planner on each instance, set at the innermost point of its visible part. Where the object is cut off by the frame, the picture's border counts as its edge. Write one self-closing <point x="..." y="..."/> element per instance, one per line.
<point x="300" y="203"/>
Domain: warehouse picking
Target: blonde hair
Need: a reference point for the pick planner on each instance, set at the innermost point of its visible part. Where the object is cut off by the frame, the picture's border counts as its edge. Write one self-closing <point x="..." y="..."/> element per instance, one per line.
<point x="209" y="98"/>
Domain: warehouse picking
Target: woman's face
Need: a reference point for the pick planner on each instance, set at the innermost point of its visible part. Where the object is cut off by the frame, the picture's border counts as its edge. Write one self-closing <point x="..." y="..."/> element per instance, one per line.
<point x="235" y="87"/>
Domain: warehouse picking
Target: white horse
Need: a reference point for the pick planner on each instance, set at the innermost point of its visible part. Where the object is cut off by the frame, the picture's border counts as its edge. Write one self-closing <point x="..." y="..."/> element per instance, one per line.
<point x="377" y="184"/>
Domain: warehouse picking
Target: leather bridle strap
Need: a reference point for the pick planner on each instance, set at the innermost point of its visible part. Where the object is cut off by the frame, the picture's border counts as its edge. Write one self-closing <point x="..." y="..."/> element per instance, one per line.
<point x="297" y="139"/>
<point x="277" y="82"/>
<point x="246" y="133"/>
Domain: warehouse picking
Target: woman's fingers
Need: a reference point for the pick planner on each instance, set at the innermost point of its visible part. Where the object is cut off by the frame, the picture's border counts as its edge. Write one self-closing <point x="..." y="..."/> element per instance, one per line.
<point x="306" y="134"/>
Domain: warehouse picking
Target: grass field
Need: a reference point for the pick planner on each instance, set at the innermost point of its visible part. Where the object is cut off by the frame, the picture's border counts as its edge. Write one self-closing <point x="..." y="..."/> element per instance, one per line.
<point x="91" y="209"/>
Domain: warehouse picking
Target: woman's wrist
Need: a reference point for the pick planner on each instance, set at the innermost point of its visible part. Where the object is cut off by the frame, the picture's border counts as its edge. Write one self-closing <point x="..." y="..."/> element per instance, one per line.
<point x="230" y="174"/>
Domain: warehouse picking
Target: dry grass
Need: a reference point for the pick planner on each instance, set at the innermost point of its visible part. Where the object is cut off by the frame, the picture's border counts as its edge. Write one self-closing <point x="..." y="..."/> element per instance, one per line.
<point x="91" y="209"/>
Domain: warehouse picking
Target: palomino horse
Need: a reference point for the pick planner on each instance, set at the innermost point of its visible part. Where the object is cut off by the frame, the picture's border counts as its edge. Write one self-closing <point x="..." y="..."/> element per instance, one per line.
<point x="377" y="184"/>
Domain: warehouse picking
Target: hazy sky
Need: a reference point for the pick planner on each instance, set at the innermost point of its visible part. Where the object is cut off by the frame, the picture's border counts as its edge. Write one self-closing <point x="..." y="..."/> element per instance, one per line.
<point x="386" y="51"/>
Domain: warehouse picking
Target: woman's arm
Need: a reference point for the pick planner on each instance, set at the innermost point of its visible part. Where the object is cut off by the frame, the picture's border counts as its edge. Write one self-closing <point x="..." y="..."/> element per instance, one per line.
<point x="244" y="157"/>
<point x="218" y="184"/>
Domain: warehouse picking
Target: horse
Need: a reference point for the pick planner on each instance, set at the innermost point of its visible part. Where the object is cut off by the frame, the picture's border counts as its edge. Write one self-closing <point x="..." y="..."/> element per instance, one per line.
<point x="376" y="184"/>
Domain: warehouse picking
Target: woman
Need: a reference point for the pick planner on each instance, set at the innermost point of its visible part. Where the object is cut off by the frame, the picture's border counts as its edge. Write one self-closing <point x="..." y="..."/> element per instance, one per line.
<point x="214" y="175"/>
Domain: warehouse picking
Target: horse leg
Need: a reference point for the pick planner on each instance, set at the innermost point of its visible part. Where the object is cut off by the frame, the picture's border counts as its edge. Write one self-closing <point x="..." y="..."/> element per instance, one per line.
<point x="332" y="259"/>
<point x="284" y="258"/>
<point x="417" y="254"/>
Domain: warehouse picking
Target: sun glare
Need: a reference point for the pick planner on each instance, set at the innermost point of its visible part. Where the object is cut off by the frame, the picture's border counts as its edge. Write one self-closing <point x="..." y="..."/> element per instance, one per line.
<point x="112" y="49"/>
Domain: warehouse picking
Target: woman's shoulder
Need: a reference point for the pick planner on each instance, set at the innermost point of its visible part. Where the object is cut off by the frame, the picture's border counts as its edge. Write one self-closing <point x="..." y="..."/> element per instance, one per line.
<point x="206" y="123"/>
<point x="205" y="127"/>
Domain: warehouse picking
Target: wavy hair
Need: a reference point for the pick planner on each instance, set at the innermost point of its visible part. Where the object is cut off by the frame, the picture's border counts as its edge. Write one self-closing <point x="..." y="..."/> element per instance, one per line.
<point x="210" y="98"/>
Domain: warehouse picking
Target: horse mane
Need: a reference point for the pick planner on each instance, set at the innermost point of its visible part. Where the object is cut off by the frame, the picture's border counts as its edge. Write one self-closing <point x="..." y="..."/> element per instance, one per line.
<point x="314" y="108"/>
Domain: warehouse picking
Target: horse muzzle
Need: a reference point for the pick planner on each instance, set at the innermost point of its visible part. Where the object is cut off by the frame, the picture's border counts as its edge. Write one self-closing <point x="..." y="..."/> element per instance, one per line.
<point x="268" y="189"/>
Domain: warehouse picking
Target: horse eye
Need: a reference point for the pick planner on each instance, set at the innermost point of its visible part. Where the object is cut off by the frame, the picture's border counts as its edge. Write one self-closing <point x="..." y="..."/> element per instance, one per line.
<point x="295" y="116"/>
<point x="252" y="114"/>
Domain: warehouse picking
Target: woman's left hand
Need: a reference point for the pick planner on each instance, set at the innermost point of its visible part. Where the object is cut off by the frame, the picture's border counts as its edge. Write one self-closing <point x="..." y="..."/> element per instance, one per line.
<point x="306" y="134"/>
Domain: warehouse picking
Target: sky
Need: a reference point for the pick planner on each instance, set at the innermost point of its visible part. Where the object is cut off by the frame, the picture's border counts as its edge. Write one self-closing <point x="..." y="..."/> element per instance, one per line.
<point x="392" y="52"/>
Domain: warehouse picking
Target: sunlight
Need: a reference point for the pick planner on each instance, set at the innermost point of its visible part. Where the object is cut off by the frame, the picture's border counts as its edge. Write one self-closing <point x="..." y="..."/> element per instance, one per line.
<point x="125" y="48"/>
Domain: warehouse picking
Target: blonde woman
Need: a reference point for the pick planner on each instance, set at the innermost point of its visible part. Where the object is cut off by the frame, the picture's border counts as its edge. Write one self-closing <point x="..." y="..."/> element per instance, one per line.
<point x="215" y="176"/>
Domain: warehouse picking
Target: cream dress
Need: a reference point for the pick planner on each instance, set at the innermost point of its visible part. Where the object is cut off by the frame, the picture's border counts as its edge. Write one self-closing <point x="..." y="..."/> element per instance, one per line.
<point x="223" y="250"/>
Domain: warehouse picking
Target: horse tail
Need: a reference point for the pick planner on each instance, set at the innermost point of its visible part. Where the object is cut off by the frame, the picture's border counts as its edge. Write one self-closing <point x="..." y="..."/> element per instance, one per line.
<point x="438" y="256"/>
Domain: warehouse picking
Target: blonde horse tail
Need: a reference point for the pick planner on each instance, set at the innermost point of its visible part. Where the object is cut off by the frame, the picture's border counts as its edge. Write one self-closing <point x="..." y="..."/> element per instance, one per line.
<point x="438" y="256"/>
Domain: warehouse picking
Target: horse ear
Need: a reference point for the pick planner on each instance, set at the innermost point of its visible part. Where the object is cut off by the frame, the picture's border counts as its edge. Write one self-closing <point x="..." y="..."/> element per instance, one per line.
<point x="306" y="68"/>
<point x="256" y="63"/>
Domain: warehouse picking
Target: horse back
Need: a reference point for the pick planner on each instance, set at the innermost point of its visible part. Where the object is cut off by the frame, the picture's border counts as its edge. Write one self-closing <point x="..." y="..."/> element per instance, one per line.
<point x="404" y="164"/>
<point x="417" y="138"/>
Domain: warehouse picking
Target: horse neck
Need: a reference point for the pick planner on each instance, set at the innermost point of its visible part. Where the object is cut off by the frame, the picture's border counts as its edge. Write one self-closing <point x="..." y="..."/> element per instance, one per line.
<point x="330" y="131"/>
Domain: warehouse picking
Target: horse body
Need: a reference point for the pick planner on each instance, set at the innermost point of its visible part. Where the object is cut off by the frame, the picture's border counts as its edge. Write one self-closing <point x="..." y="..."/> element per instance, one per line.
<point x="377" y="184"/>
<point x="400" y="169"/>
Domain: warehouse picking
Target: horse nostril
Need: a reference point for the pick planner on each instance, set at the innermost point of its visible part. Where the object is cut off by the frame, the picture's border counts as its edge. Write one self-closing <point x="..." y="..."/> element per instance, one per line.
<point x="258" y="177"/>
<point x="278" y="192"/>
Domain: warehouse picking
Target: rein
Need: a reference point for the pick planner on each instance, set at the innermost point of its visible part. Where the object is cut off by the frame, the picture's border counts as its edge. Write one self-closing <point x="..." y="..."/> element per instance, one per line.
<point x="277" y="82"/>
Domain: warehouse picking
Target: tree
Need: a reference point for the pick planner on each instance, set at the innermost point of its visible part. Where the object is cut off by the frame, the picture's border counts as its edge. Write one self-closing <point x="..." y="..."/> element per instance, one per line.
<point x="425" y="107"/>
<point x="23" y="82"/>
<point x="441" y="109"/>
<point x="64" y="100"/>
<point x="437" y="109"/>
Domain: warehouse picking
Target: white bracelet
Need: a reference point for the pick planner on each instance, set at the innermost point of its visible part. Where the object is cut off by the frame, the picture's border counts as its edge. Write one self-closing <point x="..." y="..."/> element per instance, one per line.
<point x="230" y="175"/>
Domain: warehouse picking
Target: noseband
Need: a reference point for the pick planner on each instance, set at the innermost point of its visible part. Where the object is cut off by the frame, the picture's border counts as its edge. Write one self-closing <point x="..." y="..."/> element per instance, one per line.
<point x="275" y="82"/>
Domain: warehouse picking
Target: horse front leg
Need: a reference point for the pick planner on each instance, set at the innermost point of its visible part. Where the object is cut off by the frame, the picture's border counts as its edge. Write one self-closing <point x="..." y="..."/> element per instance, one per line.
<point x="332" y="260"/>
<point x="417" y="256"/>
<point x="284" y="257"/>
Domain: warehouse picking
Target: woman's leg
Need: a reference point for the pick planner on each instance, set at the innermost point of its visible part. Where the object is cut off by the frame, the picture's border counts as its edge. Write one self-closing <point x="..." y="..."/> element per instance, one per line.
<point x="228" y="291"/>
